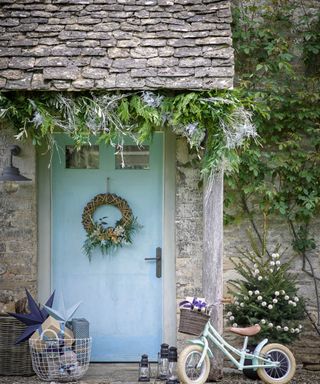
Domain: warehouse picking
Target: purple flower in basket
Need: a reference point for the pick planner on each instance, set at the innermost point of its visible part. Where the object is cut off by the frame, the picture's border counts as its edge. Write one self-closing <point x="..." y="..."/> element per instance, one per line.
<point x="196" y="304"/>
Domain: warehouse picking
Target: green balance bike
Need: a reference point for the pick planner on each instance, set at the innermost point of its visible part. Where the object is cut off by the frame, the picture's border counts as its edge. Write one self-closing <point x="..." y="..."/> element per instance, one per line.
<point x="274" y="363"/>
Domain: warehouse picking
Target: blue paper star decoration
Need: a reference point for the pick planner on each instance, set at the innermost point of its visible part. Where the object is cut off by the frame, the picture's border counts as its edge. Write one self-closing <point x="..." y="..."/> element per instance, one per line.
<point x="33" y="319"/>
<point x="60" y="312"/>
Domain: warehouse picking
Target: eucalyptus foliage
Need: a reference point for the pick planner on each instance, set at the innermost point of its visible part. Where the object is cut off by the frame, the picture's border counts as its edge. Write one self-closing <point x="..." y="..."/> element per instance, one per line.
<point x="108" y="239"/>
<point x="214" y="123"/>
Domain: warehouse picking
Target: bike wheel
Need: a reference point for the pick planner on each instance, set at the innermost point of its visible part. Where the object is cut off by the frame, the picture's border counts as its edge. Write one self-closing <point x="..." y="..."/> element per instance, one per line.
<point x="278" y="375"/>
<point x="187" y="365"/>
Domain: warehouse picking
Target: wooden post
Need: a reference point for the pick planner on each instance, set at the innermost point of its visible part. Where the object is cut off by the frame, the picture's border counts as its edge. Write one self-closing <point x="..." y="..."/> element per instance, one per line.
<point x="212" y="266"/>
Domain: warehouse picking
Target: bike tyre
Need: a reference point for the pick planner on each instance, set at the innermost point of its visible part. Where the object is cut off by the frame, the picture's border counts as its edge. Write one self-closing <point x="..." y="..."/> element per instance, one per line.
<point x="264" y="373"/>
<point x="181" y="366"/>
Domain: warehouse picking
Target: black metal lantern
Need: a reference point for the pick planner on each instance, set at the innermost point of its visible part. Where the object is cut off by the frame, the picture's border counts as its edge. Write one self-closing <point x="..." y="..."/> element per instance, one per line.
<point x="173" y="358"/>
<point x="163" y="362"/>
<point x="144" y="369"/>
<point x="12" y="173"/>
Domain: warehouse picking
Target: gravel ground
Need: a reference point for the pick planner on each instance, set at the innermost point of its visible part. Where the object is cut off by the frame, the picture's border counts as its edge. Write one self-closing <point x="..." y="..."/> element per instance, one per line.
<point x="301" y="377"/>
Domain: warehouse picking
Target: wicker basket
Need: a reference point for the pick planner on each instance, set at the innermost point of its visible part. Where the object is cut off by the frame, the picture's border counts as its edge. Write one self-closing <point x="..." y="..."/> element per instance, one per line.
<point x="192" y="322"/>
<point x="14" y="359"/>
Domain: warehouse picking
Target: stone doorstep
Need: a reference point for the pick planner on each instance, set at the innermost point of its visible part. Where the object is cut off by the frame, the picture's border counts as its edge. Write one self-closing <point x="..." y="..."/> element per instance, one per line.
<point x="127" y="373"/>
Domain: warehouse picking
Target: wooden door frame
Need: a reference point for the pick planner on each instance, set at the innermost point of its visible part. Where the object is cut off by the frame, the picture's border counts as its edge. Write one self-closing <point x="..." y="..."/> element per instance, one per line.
<point x="44" y="201"/>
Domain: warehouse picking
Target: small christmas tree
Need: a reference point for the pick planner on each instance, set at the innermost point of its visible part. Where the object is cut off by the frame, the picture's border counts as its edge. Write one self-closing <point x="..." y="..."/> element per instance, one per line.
<point x="266" y="295"/>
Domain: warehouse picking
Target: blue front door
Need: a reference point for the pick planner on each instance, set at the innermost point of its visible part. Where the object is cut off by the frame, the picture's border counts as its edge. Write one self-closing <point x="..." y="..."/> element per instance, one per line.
<point x="120" y="293"/>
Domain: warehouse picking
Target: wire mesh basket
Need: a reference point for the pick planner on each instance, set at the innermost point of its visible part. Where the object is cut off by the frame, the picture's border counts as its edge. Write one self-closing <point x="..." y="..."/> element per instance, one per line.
<point x="192" y="322"/>
<point x="54" y="359"/>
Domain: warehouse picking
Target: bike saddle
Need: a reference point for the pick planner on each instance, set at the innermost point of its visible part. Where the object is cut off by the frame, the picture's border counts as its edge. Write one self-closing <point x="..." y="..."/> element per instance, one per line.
<point x="247" y="331"/>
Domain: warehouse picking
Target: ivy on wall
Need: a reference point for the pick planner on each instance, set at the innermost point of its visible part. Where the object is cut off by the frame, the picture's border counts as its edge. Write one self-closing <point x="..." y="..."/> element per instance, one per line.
<point x="214" y="123"/>
<point x="277" y="46"/>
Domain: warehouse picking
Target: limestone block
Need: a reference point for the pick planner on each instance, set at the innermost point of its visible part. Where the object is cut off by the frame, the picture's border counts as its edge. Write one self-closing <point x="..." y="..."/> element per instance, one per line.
<point x="185" y="27"/>
<point x="131" y="26"/>
<point x="93" y="51"/>
<point x="219" y="83"/>
<point x="24" y="27"/>
<point x="98" y="35"/>
<point x="181" y="43"/>
<point x="197" y="34"/>
<point x="187" y="52"/>
<point x="141" y="52"/>
<point x="86" y="20"/>
<point x="83" y="84"/>
<point x="108" y="82"/>
<point x="144" y="72"/>
<point x="125" y="81"/>
<point x="4" y="51"/>
<point x="61" y="73"/>
<point x="163" y="62"/>
<point x="95" y="73"/>
<point x="165" y="3"/>
<point x="153" y="43"/>
<point x="218" y="52"/>
<point x="37" y="51"/>
<point x="214" y="72"/>
<point x="175" y="72"/>
<point x="165" y="51"/>
<point x="134" y="42"/>
<point x="21" y="63"/>
<point x="23" y="83"/>
<point x="83" y="44"/>
<point x="49" y="28"/>
<point x="103" y="62"/>
<point x="186" y="83"/>
<point x="37" y="82"/>
<point x="12" y="74"/>
<point x="214" y="40"/>
<point x="129" y="63"/>
<point x="114" y="53"/>
<point x="9" y="22"/>
<point x="224" y="13"/>
<point x="52" y="62"/>
<point x="106" y="27"/>
<point x="78" y="27"/>
<point x="23" y="43"/>
<point x="194" y="62"/>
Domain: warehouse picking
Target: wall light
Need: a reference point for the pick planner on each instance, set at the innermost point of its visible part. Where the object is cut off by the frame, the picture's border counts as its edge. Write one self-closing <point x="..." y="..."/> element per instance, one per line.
<point x="11" y="175"/>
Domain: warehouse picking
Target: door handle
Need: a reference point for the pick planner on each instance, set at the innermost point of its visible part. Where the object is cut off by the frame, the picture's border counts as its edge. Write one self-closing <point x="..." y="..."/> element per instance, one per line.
<point x="158" y="259"/>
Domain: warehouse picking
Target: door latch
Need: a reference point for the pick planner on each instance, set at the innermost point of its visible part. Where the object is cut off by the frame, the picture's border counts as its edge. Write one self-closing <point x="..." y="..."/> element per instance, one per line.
<point x="158" y="259"/>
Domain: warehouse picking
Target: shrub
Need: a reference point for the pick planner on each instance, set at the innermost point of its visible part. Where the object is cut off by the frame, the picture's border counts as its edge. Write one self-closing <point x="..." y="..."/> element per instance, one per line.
<point x="266" y="294"/>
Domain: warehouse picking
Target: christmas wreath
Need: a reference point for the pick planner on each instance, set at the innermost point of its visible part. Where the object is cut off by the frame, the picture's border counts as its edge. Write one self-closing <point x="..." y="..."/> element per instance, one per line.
<point x="105" y="237"/>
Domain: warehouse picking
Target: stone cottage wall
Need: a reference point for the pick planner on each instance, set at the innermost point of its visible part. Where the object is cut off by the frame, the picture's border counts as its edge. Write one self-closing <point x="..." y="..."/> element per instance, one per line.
<point x="307" y="349"/>
<point x="18" y="228"/>
<point x="189" y="228"/>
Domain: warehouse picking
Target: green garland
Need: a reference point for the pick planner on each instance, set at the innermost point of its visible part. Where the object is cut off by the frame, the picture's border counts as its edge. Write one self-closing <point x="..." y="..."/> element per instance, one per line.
<point x="214" y="123"/>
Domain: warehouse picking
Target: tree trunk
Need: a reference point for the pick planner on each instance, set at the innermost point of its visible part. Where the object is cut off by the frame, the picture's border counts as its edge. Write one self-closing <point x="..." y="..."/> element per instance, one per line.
<point x="212" y="267"/>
